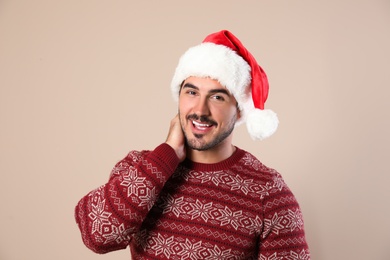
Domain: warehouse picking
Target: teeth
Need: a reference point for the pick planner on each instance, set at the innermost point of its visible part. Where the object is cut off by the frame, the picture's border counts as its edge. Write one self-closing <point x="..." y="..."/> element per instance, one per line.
<point x="200" y="125"/>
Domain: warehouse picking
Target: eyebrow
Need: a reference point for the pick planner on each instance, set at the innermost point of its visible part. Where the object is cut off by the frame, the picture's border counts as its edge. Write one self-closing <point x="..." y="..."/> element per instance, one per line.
<point x="212" y="91"/>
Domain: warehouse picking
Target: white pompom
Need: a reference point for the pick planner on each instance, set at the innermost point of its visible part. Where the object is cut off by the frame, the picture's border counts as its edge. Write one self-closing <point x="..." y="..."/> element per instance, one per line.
<point x="261" y="123"/>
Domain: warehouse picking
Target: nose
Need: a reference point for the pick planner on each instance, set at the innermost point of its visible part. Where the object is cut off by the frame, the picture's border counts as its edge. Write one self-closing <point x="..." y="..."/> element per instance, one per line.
<point x="201" y="107"/>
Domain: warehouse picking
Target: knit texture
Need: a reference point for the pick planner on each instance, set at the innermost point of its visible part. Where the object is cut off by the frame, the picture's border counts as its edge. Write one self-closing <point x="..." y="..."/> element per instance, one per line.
<point x="235" y="209"/>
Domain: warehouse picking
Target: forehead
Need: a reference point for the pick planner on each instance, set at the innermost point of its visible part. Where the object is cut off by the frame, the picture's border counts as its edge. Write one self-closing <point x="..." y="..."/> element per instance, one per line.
<point x="205" y="84"/>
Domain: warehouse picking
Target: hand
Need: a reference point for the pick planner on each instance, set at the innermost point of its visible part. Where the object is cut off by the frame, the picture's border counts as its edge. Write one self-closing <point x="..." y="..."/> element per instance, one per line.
<point x="176" y="138"/>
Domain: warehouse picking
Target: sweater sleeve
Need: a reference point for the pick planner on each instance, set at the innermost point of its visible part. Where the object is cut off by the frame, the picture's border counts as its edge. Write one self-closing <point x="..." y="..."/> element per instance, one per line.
<point x="110" y="214"/>
<point x="283" y="235"/>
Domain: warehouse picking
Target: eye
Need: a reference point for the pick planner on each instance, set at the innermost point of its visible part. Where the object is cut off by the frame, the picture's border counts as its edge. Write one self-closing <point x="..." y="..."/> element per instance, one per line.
<point x="191" y="92"/>
<point x="218" y="97"/>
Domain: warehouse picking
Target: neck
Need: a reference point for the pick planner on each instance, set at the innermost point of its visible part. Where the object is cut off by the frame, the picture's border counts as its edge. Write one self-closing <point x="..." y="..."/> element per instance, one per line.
<point x="214" y="155"/>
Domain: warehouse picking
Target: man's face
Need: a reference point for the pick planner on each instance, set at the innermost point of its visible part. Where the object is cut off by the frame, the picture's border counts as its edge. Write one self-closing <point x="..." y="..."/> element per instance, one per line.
<point x="208" y="113"/>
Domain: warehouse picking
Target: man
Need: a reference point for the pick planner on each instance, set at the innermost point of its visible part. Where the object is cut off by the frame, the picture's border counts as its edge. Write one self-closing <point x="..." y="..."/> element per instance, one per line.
<point x="197" y="196"/>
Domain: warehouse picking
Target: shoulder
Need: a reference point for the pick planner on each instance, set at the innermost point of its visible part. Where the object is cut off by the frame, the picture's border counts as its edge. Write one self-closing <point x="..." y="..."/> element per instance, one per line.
<point x="252" y="167"/>
<point x="251" y="163"/>
<point x="162" y="151"/>
<point x="123" y="166"/>
<point x="136" y="156"/>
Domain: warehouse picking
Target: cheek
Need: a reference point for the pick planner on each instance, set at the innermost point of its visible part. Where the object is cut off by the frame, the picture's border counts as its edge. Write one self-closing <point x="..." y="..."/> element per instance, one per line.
<point x="227" y="117"/>
<point x="226" y="113"/>
<point x="184" y="105"/>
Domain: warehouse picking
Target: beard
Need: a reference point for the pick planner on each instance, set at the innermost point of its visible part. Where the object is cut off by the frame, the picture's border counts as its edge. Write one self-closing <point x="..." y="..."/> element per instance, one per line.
<point x="198" y="143"/>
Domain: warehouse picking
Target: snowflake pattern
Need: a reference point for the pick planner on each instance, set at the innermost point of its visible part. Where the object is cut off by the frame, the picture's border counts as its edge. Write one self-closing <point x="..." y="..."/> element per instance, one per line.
<point x="230" y="217"/>
<point x="216" y="253"/>
<point x="191" y="250"/>
<point x="279" y="183"/>
<point x="149" y="198"/>
<point x="302" y="255"/>
<point x="118" y="234"/>
<point x="120" y="168"/>
<point x="255" y="225"/>
<point x="173" y="205"/>
<point x="271" y="257"/>
<point x="99" y="216"/>
<point x="253" y="162"/>
<point x="215" y="177"/>
<point x="238" y="183"/>
<point x="264" y="190"/>
<point x="295" y="220"/>
<point x="273" y="225"/>
<point x="164" y="246"/>
<point x="201" y="210"/>
<point x="133" y="182"/>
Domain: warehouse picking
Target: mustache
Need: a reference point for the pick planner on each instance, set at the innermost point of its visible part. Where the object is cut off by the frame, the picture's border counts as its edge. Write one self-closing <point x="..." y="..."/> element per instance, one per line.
<point x="203" y="119"/>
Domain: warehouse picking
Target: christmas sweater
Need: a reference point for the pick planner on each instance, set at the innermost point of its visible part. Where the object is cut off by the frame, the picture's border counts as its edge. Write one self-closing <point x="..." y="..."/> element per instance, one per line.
<point x="163" y="209"/>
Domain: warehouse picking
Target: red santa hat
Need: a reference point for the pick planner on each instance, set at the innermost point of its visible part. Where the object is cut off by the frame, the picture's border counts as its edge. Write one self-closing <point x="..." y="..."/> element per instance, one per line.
<point x="223" y="57"/>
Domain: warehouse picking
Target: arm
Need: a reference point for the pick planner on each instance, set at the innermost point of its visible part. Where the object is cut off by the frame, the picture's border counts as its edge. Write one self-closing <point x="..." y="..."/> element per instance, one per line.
<point x="108" y="215"/>
<point x="283" y="235"/>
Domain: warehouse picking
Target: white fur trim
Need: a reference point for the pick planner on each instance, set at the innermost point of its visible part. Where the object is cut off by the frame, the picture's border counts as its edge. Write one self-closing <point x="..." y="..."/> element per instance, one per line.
<point x="261" y="123"/>
<point x="217" y="62"/>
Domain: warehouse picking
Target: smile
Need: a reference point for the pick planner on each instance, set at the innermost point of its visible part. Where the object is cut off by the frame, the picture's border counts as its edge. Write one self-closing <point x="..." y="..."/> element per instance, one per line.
<point x="201" y="126"/>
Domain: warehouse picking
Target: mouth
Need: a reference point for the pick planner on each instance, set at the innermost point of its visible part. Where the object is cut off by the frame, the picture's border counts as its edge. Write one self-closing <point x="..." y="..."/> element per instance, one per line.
<point x="201" y="126"/>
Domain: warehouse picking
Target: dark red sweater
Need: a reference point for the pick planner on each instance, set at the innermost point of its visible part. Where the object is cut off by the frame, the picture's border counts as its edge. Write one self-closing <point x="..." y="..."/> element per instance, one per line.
<point x="235" y="209"/>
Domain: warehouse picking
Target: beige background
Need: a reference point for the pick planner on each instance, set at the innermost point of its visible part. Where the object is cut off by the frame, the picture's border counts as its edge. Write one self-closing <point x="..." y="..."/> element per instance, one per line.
<point x="83" y="82"/>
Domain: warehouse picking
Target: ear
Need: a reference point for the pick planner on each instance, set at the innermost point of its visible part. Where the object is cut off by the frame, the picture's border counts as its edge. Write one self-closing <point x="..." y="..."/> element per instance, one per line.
<point x="238" y="112"/>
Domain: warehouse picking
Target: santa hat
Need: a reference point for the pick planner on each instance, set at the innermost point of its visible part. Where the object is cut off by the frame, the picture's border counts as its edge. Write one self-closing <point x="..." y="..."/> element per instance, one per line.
<point x="221" y="56"/>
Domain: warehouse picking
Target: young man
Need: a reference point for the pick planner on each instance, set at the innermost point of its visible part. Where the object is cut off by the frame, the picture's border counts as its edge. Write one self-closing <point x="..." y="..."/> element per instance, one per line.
<point x="197" y="196"/>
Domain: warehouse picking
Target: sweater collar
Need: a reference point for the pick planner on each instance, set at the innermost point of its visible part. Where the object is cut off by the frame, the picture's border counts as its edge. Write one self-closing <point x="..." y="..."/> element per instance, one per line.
<point x="222" y="165"/>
